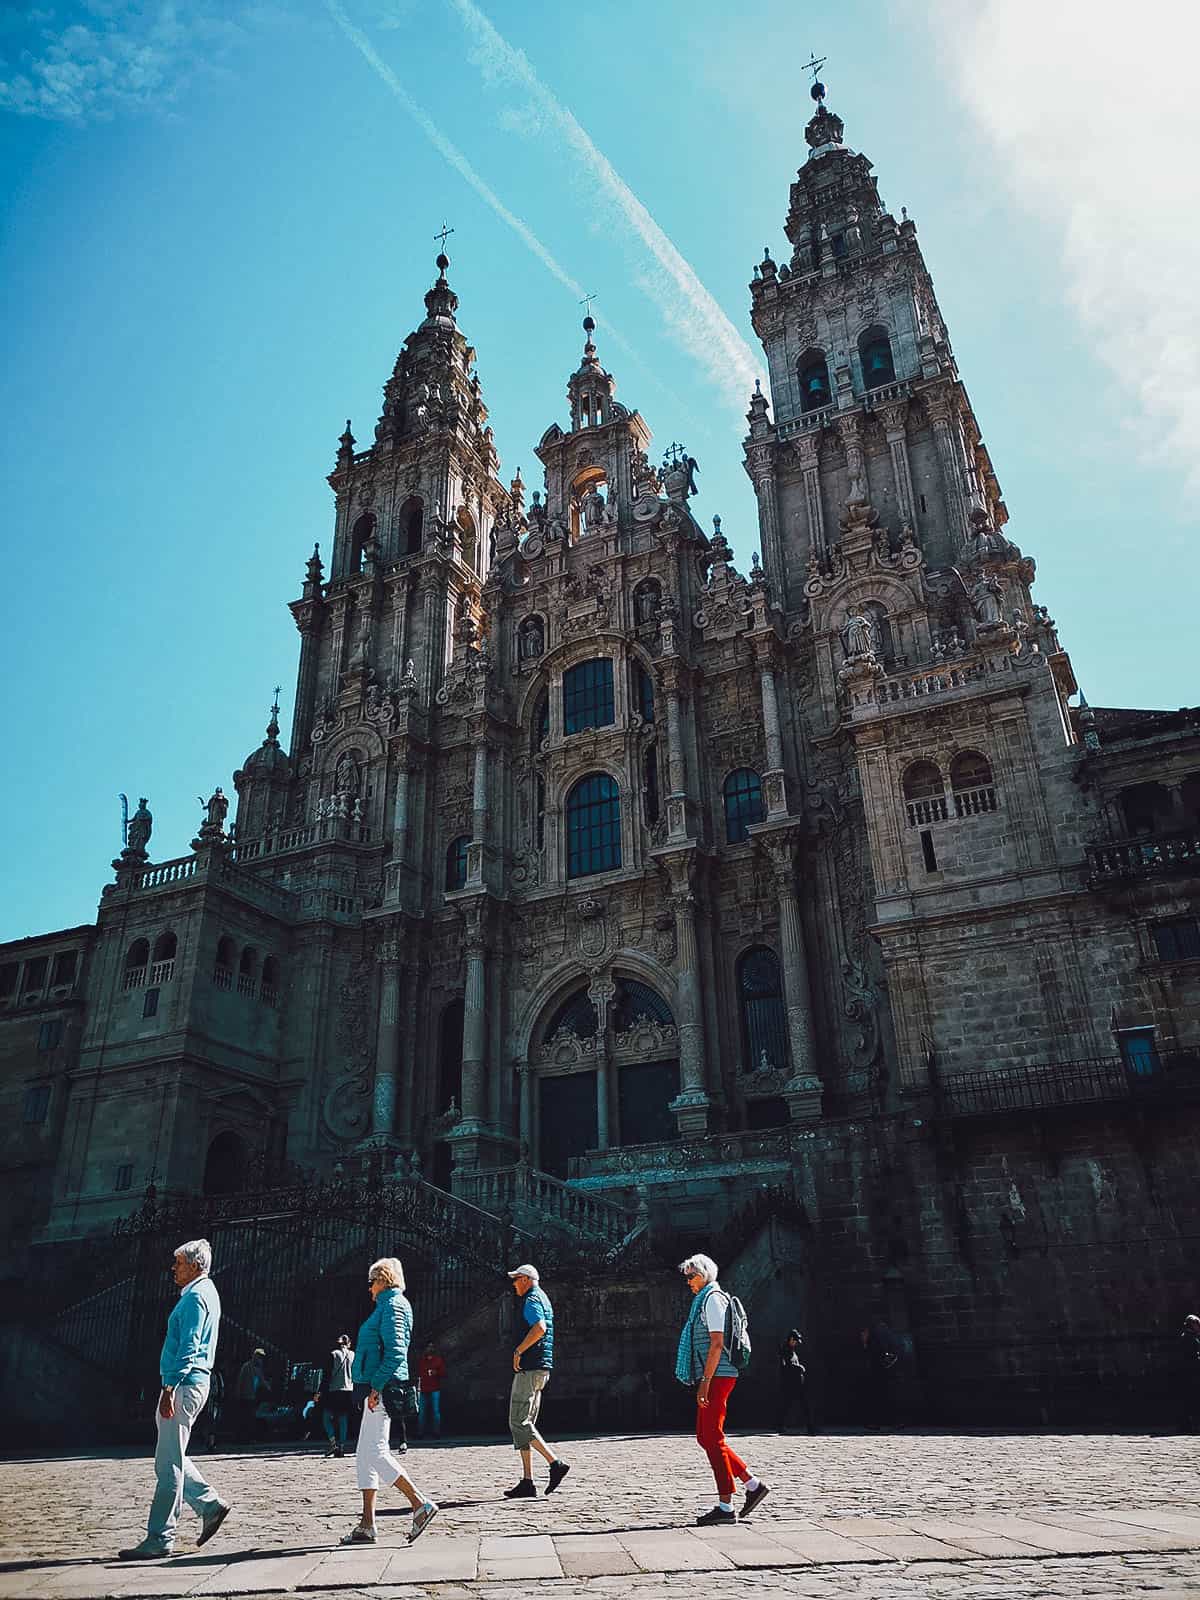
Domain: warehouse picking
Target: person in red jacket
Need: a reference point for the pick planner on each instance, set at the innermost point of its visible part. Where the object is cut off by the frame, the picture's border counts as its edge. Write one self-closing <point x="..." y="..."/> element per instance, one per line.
<point x="432" y="1372"/>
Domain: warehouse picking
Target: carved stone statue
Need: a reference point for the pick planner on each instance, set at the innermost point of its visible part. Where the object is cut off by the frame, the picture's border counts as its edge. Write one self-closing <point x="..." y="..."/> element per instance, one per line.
<point x="858" y="637"/>
<point x="141" y="824"/>
<point x="986" y="594"/>
<point x="593" y="506"/>
<point x="646" y="599"/>
<point x="537" y="512"/>
<point x="346" y="778"/>
<point x="531" y="639"/>
<point x="217" y="807"/>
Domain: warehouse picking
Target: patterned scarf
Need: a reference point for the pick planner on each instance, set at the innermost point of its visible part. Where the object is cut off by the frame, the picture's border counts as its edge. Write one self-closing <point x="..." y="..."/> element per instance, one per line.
<point x="685" y="1364"/>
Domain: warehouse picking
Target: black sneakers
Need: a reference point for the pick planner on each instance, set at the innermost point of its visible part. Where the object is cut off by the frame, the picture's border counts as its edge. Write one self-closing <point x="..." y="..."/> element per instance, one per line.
<point x="716" y="1518"/>
<point x="558" y="1471"/>
<point x="525" y="1490"/>
<point x="212" y="1524"/>
<point x="753" y="1498"/>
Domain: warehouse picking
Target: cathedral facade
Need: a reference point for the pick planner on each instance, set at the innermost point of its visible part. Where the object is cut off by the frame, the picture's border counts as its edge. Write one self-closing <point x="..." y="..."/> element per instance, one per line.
<point x="595" y="857"/>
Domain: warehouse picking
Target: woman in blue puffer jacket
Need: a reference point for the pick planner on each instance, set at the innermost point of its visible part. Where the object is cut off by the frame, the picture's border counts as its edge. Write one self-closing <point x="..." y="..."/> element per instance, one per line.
<point x="381" y="1358"/>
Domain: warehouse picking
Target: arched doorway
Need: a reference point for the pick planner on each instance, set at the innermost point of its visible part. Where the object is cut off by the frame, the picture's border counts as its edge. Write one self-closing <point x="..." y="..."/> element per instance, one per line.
<point x="225" y="1165"/>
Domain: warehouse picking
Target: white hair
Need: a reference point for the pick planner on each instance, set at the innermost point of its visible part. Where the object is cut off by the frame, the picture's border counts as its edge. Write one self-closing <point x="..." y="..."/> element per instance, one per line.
<point x="388" y="1271"/>
<point x="197" y="1253"/>
<point x="704" y="1265"/>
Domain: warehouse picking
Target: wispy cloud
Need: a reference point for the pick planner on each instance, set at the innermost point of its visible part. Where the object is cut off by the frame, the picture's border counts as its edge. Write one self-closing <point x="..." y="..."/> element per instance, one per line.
<point x="452" y="154"/>
<point x="694" y="318"/>
<point x="1102" y="141"/>
<point x="106" y="56"/>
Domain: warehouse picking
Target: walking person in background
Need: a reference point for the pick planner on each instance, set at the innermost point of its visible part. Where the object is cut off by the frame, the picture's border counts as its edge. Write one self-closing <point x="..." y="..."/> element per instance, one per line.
<point x="253" y="1387"/>
<point x="336" y="1393"/>
<point x="381" y="1366"/>
<point x="882" y="1350"/>
<point x="185" y="1367"/>
<point x="432" y="1370"/>
<point x="703" y="1360"/>
<point x="533" y="1362"/>
<point x="793" y="1385"/>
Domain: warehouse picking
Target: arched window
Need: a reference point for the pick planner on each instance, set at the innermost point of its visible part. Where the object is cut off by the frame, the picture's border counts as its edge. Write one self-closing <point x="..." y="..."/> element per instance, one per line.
<point x="456" y="863"/>
<point x="743" y="803"/>
<point x="225" y="1165"/>
<point x="468" y="539"/>
<point x="248" y="971"/>
<point x="814" y="381"/>
<point x="137" y="963"/>
<point x="875" y="352"/>
<point x="924" y="794"/>
<point x="162" y="962"/>
<point x="647" y="598"/>
<point x="971" y="784"/>
<point x="224" y="963"/>
<point x="269" y="988"/>
<point x="411" y="526"/>
<point x="635" y="1001"/>
<point x="593" y="826"/>
<point x="764" y="1016"/>
<point x="588" y="695"/>
<point x="531" y="639"/>
<point x="643" y="692"/>
<point x="450" y="1054"/>
<point x="576" y="1016"/>
<point x="360" y="537"/>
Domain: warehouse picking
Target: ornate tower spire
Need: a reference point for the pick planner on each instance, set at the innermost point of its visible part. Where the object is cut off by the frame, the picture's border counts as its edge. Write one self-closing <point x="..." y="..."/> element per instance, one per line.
<point x="591" y="390"/>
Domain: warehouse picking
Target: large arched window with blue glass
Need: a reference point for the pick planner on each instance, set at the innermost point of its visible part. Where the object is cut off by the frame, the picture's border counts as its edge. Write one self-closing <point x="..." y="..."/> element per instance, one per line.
<point x="588" y="696"/>
<point x="743" y="803"/>
<point x="593" y="826"/>
<point x="764" y="1017"/>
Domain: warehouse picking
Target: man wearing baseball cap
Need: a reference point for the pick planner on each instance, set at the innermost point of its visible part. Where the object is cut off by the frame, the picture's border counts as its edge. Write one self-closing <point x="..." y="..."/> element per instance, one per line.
<point x="533" y="1360"/>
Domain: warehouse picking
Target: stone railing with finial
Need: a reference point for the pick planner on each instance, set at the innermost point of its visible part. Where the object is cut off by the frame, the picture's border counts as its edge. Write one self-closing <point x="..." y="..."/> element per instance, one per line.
<point x="537" y="1197"/>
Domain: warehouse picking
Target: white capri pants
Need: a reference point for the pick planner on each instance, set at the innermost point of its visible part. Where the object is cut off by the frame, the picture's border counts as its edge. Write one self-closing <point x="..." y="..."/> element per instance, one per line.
<point x="374" y="1462"/>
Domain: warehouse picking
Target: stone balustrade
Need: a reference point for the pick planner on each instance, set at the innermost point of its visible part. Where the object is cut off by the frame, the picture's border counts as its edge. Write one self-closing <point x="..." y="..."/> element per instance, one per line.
<point x="1146" y="857"/>
<point x="167" y="872"/>
<point x="523" y="1188"/>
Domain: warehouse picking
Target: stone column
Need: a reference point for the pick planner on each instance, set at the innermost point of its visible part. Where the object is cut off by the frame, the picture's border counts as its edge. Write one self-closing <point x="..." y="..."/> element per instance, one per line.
<point x="938" y="408"/>
<point x="308" y="621"/>
<point x="676" y="763"/>
<point x="893" y="418"/>
<point x="601" y="992"/>
<point x="850" y="431"/>
<point x="692" y="1105"/>
<point x="400" y="813"/>
<point x="760" y="459"/>
<point x="808" y="449"/>
<point x="774" y="779"/>
<point x="410" y="989"/>
<point x="474" y="1067"/>
<point x="803" y="1089"/>
<point x="525" y="1069"/>
<point x="387" y="1053"/>
<point x="479" y="792"/>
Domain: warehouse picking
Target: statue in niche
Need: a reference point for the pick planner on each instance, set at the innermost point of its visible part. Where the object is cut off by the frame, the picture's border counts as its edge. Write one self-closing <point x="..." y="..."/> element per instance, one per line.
<point x="531" y="639"/>
<point x="646" y="598"/>
<point x="593" y="507"/>
<point x="141" y="824"/>
<point x="986" y="595"/>
<point x="858" y="637"/>
<point x="346" y="777"/>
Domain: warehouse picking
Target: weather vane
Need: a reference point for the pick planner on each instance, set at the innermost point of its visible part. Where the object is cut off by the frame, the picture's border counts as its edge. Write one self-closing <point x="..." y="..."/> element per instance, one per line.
<point x="586" y="303"/>
<point x="443" y="236"/>
<point x="814" y="65"/>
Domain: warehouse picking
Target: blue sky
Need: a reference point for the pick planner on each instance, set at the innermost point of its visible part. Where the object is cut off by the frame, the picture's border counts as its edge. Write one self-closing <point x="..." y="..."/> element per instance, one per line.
<point x="217" y="229"/>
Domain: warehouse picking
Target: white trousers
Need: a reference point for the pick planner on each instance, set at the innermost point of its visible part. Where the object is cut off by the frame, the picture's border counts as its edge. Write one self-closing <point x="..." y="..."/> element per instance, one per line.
<point x="373" y="1460"/>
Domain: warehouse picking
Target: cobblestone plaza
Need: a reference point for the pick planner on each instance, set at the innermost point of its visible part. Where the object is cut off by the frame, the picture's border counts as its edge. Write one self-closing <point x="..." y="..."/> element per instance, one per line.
<point x="873" y="1516"/>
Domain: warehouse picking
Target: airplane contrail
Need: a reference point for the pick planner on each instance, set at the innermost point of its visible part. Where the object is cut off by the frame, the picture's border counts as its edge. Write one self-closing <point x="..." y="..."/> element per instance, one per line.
<point x="694" y="317"/>
<point x="488" y="195"/>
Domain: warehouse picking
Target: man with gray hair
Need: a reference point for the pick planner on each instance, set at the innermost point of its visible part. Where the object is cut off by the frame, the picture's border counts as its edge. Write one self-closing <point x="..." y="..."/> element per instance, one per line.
<point x="533" y="1361"/>
<point x="185" y="1366"/>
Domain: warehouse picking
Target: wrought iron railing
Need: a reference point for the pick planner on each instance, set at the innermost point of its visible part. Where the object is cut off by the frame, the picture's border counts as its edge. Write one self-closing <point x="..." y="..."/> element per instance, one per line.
<point x="1161" y="1075"/>
<point x="1142" y="858"/>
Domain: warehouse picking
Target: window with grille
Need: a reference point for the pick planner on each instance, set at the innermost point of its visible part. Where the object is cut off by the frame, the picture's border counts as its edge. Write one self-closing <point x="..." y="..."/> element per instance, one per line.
<point x="764" y="1017"/>
<point x="636" y="1000"/>
<point x="456" y="863"/>
<point x="743" y="803"/>
<point x="588" y="696"/>
<point x="1177" y="940"/>
<point x="64" y="969"/>
<point x="37" y="1102"/>
<point x="593" y="826"/>
<point x="576" y="1015"/>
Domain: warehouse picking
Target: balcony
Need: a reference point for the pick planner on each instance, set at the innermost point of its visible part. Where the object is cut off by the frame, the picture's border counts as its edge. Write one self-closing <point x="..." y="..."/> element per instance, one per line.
<point x="1156" y="855"/>
<point x="1173" y="1075"/>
